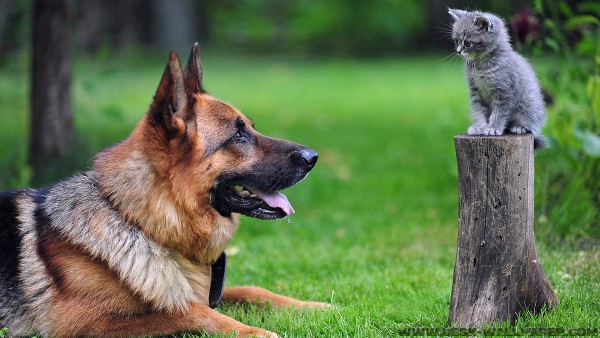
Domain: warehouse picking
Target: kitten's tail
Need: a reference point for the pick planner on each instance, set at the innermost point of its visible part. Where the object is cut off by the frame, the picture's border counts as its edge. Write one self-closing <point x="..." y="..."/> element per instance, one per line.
<point x="539" y="142"/>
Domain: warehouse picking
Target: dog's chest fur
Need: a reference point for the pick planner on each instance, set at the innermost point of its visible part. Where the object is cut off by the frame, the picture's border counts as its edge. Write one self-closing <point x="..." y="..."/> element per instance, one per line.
<point x="163" y="278"/>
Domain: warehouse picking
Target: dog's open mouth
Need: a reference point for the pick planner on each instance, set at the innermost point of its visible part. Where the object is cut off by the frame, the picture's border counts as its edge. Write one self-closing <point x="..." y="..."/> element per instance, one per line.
<point x="252" y="202"/>
<point x="273" y="200"/>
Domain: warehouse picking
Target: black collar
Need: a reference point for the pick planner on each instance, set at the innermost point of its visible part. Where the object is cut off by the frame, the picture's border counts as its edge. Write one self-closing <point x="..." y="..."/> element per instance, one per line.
<point x="217" y="280"/>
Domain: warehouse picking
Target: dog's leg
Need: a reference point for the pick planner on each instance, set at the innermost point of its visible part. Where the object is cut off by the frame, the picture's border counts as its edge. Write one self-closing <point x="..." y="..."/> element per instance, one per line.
<point x="77" y="318"/>
<point x="255" y="294"/>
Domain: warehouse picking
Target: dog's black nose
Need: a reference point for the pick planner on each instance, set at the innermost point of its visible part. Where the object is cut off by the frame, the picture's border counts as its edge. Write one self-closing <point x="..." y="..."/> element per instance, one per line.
<point x="309" y="156"/>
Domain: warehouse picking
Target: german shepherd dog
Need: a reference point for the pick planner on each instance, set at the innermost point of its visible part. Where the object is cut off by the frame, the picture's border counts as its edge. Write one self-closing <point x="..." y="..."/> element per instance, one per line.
<point x="129" y="247"/>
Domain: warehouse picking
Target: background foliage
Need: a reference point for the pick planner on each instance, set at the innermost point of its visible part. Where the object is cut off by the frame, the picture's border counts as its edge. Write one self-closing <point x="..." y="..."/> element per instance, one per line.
<point x="355" y="27"/>
<point x="304" y="27"/>
<point x="569" y="188"/>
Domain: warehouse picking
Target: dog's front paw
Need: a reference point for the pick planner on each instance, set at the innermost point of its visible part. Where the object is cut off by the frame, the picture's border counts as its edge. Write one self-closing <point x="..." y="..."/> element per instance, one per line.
<point x="518" y="130"/>
<point x="256" y="332"/>
<point x="492" y="132"/>
<point x="474" y="130"/>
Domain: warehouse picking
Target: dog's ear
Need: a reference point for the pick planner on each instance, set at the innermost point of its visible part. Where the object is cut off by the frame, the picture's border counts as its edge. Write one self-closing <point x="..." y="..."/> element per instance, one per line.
<point x="170" y="101"/>
<point x="193" y="72"/>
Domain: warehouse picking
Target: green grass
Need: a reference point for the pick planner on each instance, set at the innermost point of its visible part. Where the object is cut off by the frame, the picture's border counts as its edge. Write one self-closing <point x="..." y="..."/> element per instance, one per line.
<point x="376" y="223"/>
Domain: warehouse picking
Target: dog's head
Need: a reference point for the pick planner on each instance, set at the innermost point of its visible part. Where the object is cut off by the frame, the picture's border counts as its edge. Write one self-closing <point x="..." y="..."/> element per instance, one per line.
<point x="211" y="152"/>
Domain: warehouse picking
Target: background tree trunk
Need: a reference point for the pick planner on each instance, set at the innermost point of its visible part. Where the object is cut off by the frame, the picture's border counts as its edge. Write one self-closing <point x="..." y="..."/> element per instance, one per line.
<point x="497" y="272"/>
<point x="51" y="116"/>
<point x="174" y="26"/>
<point x="4" y="10"/>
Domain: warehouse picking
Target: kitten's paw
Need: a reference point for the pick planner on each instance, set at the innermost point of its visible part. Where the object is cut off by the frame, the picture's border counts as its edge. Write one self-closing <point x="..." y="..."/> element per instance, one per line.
<point x="492" y="132"/>
<point x="474" y="130"/>
<point x="518" y="130"/>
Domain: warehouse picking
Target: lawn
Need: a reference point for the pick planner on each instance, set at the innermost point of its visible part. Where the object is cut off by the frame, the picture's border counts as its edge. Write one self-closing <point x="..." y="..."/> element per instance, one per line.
<point x="376" y="223"/>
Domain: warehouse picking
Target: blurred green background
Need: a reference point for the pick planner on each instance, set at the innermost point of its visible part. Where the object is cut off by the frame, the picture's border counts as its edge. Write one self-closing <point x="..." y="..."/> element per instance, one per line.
<point x="374" y="87"/>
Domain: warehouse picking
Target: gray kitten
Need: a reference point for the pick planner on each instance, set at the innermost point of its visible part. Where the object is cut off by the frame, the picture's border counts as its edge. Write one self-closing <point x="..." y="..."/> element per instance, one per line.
<point x="505" y="93"/>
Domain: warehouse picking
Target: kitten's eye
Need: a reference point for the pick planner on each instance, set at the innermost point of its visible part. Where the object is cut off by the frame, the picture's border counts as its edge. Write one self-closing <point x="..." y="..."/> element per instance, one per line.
<point x="467" y="44"/>
<point x="456" y="41"/>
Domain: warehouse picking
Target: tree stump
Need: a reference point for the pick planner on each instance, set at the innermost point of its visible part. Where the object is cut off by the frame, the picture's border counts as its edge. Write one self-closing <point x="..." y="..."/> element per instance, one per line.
<point x="497" y="272"/>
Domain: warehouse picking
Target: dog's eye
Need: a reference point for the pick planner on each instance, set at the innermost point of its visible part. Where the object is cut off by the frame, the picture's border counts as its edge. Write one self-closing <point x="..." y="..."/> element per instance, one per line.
<point x="239" y="138"/>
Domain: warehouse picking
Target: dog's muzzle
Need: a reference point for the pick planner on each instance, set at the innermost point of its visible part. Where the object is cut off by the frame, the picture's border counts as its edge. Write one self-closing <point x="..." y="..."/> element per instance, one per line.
<point x="257" y="193"/>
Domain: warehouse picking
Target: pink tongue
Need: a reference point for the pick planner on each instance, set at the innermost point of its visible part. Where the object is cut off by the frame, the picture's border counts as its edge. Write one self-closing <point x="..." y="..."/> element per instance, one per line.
<point x="276" y="200"/>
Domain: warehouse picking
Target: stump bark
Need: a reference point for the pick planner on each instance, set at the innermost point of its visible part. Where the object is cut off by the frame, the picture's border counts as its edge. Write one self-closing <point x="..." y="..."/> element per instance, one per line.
<point x="497" y="272"/>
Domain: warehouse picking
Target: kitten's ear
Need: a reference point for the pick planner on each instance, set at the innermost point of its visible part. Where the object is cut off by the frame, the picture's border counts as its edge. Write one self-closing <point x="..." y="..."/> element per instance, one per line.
<point x="456" y="13"/>
<point x="483" y="23"/>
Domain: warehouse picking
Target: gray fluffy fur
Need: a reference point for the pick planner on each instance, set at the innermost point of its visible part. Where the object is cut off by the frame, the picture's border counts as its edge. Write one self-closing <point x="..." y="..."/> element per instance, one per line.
<point x="505" y="92"/>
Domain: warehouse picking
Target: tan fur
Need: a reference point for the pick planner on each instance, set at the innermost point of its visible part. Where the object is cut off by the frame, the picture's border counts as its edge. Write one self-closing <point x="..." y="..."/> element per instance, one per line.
<point x="178" y="190"/>
<point x="255" y="294"/>
<point x="93" y="322"/>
